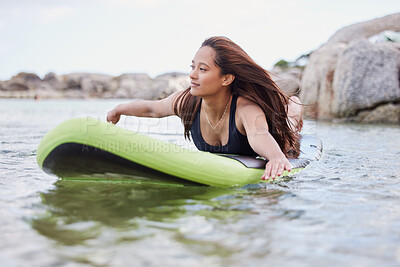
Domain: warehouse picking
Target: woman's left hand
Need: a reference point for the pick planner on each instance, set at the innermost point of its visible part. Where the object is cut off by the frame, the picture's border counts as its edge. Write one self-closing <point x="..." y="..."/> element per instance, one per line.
<point x="275" y="167"/>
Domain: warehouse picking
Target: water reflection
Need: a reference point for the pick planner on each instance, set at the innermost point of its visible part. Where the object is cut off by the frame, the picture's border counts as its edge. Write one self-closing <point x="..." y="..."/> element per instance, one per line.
<point x="78" y="211"/>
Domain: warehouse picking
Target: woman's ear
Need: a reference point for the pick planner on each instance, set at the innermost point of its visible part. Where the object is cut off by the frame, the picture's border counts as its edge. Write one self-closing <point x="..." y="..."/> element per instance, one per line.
<point x="228" y="79"/>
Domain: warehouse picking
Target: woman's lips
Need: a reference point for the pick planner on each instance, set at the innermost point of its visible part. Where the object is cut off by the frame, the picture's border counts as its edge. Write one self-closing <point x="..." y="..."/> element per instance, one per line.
<point x="194" y="84"/>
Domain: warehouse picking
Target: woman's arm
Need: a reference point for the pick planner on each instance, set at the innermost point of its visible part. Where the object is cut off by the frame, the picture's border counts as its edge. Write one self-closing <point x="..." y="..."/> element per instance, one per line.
<point x="144" y="108"/>
<point x="262" y="142"/>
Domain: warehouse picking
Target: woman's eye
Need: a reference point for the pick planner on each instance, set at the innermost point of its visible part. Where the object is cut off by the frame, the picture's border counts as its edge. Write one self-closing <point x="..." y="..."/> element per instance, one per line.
<point x="191" y="66"/>
<point x="202" y="69"/>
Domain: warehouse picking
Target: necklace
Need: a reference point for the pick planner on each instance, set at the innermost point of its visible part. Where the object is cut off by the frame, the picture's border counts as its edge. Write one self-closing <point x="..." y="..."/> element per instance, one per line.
<point x="223" y="115"/>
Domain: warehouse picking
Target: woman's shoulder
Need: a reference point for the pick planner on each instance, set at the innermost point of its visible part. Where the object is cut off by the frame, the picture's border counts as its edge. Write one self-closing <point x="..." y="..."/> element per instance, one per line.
<point x="247" y="110"/>
<point x="244" y="104"/>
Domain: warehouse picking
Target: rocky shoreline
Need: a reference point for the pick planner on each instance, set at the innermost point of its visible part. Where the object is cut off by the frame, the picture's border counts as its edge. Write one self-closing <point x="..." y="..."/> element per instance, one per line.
<point x="354" y="76"/>
<point x="92" y="85"/>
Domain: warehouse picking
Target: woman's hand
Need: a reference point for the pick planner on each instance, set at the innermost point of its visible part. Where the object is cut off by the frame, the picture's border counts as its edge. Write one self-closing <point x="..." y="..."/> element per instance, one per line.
<point x="113" y="116"/>
<point x="275" y="167"/>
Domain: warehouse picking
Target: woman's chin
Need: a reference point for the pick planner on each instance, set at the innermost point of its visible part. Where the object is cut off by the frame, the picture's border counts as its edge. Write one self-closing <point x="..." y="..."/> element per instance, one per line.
<point x="194" y="91"/>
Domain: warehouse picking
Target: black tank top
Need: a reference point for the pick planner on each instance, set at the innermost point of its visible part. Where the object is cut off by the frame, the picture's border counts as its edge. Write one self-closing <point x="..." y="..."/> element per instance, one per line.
<point x="237" y="142"/>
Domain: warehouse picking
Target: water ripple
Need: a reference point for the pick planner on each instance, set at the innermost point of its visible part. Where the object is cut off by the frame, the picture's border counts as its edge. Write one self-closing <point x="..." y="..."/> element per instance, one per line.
<point x="343" y="209"/>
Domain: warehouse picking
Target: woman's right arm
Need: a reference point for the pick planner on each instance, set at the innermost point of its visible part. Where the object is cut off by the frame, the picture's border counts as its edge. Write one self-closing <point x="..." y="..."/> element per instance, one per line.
<point x="144" y="108"/>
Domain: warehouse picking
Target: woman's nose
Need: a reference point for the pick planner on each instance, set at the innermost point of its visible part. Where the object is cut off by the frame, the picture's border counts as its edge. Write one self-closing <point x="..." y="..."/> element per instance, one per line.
<point x="193" y="74"/>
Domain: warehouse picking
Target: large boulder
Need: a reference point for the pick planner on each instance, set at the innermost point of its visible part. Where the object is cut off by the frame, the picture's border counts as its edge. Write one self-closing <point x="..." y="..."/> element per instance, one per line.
<point x="366" y="29"/>
<point x="366" y="76"/>
<point x="350" y="76"/>
<point x="316" y="85"/>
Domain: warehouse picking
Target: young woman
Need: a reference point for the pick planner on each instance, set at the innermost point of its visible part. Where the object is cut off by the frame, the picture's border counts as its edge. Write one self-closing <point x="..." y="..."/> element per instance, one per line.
<point x="232" y="106"/>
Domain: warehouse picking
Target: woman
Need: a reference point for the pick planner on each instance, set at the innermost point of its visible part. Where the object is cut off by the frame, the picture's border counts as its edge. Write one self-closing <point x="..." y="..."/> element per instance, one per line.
<point x="232" y="106"/>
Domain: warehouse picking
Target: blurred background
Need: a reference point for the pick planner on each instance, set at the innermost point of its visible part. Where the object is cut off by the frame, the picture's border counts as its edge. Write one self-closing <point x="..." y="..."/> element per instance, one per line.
<point x="341" y="58"/>
<point x="157" y="36"/>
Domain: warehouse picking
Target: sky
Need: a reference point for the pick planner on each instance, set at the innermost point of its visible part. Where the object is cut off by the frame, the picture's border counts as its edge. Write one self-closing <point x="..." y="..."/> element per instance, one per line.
<point x="159" y="36"/>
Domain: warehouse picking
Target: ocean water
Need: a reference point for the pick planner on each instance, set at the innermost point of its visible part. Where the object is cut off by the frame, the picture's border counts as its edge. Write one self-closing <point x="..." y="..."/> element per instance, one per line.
<point x="343" y="210"/>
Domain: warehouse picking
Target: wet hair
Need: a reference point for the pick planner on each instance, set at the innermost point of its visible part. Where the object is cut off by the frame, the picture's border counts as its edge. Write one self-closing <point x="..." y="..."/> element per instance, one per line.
<point x="251" y="82"/>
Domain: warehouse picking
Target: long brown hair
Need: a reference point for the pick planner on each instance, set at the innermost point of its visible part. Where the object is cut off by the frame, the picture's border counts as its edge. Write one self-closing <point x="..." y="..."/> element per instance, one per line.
<point x="251" y="82"/>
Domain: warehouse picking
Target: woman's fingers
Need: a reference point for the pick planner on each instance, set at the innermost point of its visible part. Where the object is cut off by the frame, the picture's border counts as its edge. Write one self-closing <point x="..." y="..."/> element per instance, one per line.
<point x="111" y="117"/>
<point x="267" y="172"/>
<point x="288" y="166"/>
<point x="280" y="169"/>
<point x="276" y="168"/>
<point x="115" y="120"/>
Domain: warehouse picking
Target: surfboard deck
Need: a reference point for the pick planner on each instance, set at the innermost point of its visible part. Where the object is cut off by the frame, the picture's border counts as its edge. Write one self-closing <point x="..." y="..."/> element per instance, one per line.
<point x="88" y="149"/>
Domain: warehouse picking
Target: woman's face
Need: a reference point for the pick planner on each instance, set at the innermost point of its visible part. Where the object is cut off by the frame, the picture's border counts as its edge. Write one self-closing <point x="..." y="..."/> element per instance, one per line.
<point x="205" y="76"/>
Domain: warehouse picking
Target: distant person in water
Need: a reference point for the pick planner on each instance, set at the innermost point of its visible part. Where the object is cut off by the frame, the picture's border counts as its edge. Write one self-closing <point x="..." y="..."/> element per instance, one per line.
<point x="232" y="106"/>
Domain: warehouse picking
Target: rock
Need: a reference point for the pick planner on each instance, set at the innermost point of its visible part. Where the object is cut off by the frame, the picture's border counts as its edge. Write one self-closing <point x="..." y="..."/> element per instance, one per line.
<point x="316" y="84"/>
<point x="74" y="94"/>
<point x="288" y="80"/>
<point x="366" y="29"/>
<point x="94" y="85"/>
<point x="24" y="85"/>
<point x="351" y="78"/>
<point x="386" y="113"/>
<point x="85" y="85"/>
<point x="366" y="75"/>
<point x="143" y="87"/>
<point x="91" y="84"/>
<point x="22" y="82"/>
<point x="133" y="85"/>
<point x="54" y="81"/>
<point x="175" y="82"/>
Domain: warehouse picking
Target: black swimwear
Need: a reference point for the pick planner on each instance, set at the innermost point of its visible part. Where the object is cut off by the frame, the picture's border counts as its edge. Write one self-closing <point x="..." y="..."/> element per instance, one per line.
<point x="237" y="142"/>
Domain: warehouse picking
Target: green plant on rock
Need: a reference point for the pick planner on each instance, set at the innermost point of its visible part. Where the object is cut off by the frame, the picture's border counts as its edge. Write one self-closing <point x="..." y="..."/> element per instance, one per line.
<point x="283" y="64"/>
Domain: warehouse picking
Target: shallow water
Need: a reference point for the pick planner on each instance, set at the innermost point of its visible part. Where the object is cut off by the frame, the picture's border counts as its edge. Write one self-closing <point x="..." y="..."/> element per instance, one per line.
<point x="340" y="211"/>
